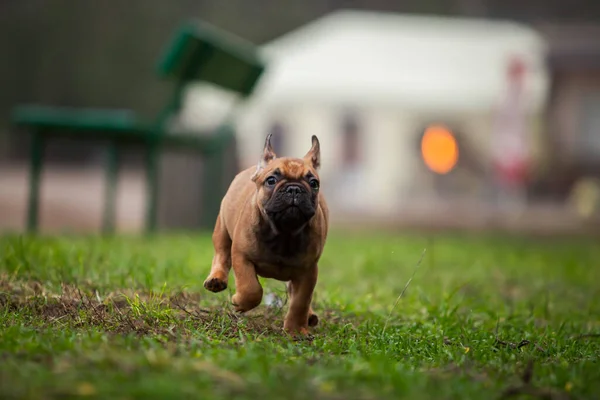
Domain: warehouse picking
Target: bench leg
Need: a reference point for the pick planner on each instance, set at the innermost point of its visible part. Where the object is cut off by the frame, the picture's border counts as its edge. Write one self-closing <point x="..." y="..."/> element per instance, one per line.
<point x="35" y="170"/>
<point x="151" y="186"/>
<point x="112" y="171"/>
<point x="211" y="188"/>
<point x="214" y="187"/>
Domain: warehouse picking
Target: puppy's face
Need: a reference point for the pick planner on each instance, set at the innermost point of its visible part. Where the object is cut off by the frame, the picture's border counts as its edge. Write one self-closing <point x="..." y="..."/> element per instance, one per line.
<point x="288" y="188"/>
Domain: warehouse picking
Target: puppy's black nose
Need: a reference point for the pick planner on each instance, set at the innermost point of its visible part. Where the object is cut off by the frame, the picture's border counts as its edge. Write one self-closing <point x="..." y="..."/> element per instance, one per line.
<point x="293" y="190"/>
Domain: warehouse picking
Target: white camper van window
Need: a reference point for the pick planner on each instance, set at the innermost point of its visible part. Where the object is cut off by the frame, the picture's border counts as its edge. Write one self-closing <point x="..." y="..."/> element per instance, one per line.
<point x="589" y="137"/>
<point x="278" y="138"/>
<point x="350" y="193"/>
<point x="350" y="140"/>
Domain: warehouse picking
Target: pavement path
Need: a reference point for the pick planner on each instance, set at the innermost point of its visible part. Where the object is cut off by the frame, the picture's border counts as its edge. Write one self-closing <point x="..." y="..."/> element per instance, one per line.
<point x="72" y="201"/>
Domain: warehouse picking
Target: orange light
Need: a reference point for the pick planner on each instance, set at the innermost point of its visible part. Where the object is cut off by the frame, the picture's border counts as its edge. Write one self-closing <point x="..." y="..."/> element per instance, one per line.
<point x="439" y="149"/>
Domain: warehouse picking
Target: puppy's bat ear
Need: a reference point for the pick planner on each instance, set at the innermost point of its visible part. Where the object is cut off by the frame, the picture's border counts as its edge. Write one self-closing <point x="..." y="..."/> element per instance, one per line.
<point x="267" y="156"/>
<point x="313" y="157"/>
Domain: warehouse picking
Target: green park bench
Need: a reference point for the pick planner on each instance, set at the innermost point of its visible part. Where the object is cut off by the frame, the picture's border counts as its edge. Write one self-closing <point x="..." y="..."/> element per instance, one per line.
<point x="198" y="52"/>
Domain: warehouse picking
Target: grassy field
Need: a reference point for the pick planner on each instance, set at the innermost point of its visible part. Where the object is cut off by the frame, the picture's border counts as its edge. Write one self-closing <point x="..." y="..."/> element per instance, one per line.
<point x="127" y="317"/>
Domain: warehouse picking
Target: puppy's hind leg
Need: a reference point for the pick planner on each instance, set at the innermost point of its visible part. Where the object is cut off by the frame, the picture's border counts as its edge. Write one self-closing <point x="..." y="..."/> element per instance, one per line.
<point x="221" y="263"/>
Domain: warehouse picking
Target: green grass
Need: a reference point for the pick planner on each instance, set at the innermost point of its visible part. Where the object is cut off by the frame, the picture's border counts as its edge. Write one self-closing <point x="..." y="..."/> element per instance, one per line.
<point x="127" y="317"/>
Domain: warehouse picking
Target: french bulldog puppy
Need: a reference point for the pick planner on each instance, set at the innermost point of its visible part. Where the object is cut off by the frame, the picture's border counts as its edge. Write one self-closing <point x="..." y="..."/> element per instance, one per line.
<point x="273" y="223"/>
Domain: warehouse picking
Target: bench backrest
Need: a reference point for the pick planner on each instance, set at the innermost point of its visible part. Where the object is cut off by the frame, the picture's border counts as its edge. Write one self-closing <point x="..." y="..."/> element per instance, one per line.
<point x="202" y="52"/>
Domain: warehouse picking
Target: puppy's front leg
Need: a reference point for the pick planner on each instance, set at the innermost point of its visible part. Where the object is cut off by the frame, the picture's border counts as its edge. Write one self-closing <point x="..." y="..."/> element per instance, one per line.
<point x="221" y="263"/>
<point x="301" y="291"/>
<point x="248" y="292"/>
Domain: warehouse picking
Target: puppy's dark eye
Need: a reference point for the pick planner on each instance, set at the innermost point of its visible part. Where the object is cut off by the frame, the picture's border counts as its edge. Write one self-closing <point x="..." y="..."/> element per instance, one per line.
<point x="314" y="184"/>
<point x="271" y="181"/>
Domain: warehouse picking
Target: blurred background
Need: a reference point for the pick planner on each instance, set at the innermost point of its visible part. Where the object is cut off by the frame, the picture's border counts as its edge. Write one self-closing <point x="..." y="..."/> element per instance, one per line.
<point x="474" y="114"/>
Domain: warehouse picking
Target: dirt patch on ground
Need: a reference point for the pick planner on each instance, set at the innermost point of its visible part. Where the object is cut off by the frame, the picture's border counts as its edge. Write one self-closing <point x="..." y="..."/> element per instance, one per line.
<point x="171" y="317"/>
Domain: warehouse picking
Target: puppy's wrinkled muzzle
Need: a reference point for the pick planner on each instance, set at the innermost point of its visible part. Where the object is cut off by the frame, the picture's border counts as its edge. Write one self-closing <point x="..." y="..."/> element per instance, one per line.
<point x="291" y="207"/>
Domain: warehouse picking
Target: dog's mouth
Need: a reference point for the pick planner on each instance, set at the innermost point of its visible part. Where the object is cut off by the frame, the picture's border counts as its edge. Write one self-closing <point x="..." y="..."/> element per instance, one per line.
<point x="295" y="207"/>
<point x="290" y="218"/>
<point x="292" y="210"/>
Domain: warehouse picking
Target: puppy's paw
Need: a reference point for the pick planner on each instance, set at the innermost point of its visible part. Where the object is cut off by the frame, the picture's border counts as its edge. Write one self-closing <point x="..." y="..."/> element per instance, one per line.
<point x="215" y="285"/>
<point x="298" y="333"/>
<point x="245" y="303"/>
<point x="313" y="320"/>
